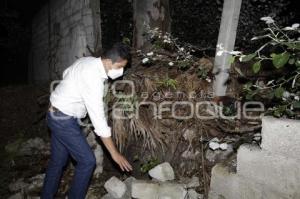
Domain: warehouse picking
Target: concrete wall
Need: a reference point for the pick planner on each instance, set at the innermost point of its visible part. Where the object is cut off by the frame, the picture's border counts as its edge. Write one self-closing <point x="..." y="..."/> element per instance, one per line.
<point x="61" y="32"/>
<point x="271" y="171"/>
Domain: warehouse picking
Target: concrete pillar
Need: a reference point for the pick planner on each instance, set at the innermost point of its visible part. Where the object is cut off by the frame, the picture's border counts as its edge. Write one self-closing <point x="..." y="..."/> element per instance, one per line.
<point x="226" y="40"/>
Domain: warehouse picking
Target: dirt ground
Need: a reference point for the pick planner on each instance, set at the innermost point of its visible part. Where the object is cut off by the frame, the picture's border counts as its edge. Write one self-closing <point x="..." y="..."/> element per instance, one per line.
<point x="19" y="112"/>
<point x="21" y="119"/>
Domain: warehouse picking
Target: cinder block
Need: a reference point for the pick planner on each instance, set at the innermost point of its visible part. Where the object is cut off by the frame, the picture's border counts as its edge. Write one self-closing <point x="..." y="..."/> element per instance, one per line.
<point x="145" y="190"/>
<point x="250" y="189"/>
<point x="223" y="184"/>
<point x="281" y="136"/>
<point x="174" y="191"/>
<point x="276" y="171"/>
<point x="227" y="185"/>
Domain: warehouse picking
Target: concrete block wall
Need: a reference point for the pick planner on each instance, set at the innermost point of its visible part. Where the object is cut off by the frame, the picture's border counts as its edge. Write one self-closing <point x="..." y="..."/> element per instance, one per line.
<point x="61" y="32"/>
<point x="271" y="171"/>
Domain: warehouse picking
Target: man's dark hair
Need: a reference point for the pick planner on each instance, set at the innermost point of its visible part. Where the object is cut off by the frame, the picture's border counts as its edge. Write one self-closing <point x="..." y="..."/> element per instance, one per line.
<point x="117" y="52"/>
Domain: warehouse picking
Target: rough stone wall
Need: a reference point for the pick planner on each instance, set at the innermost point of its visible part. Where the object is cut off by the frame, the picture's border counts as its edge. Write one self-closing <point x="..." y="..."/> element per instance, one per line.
<point x="61" y="32"/>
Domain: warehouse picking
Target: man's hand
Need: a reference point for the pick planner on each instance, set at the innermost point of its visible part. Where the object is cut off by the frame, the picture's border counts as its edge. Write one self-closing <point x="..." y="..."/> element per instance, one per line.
<point x="116" y="156"/>
<point x="121" y="161"/>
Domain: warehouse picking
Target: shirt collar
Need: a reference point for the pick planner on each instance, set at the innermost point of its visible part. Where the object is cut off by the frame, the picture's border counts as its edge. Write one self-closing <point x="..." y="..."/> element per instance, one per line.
<point x="102" y="69"/>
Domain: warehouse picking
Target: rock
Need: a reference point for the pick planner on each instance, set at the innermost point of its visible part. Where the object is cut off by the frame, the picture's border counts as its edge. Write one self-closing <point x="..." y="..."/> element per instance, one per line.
<point x="218" y="155"/>
<point x="214" y="145"/>
<point x="171" y="191"/>
<point x="33" y="197"/>
<point x="17" y="196"/>
<point x="162" y="172"/>
<point x="190" y="182"/>
<point x="32" y="146"/>
<point x="18" y="185"/>
<point x="223" y="146"/>
<point x="215" y="140"/>
<point x="99" y="160"/>
<point x="115" y="187"/>
<point x="106" y="196"/>
<point x="192" y="194"/>
<point x="91" y="139"/>
<point x="257" y="135"/>
<point x="144" y="190"/>
<point x="128" y="183"/>
<point x="93" y="193"/>
<point x="36" y="182"/>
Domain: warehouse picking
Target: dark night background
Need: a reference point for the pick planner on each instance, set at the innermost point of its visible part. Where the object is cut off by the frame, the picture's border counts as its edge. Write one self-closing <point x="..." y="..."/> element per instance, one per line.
<point x="191" y="21"/>
<point x="23" y="104"/>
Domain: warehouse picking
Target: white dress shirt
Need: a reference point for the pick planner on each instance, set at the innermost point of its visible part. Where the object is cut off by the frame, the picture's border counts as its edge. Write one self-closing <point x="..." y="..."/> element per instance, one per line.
<point x="81" y="92"/>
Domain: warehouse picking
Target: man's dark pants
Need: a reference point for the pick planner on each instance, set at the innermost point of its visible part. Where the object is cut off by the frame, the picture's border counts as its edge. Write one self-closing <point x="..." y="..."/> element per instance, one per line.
<point x="67" y="139"/>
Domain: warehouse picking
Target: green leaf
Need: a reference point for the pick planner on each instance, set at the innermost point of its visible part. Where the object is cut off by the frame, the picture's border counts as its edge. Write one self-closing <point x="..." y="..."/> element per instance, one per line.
<point x="231" y="59"/>
<point x="297" y="63"/>
<point x="247" y="58"/>
<point x="292" y="45"/>
<point x="278" y="113"/>
<point x="279" y="60"/>
<point x="126" y="41"/>
<point x="296" y="104"/>
<point x="279" y="92"/>
<point x="256" y="67"/>
<point x="289" y="112"/>
<point x="270" y="95"/>
<point x="249" y="96"/>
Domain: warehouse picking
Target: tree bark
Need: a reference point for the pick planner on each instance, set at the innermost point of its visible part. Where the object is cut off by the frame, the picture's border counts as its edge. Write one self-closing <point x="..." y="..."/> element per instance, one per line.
<point x="152" y="13"/>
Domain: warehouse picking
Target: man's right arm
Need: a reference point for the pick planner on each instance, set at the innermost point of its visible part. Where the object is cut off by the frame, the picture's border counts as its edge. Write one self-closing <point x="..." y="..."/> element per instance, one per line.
<point x="116" y="156"/>
<point x="92" y="88"/>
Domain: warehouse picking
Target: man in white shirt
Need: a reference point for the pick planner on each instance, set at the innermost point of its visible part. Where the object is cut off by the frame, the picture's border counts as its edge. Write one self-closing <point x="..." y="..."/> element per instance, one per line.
<point x="81" y="92"/>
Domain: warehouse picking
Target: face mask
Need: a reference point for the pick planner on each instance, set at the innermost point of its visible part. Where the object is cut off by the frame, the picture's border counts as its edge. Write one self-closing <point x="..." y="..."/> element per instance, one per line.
<point x="115" y="73"/>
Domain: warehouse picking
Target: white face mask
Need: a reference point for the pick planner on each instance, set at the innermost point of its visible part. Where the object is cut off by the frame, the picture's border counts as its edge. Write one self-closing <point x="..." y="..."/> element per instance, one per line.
<point x="115" y="73"/>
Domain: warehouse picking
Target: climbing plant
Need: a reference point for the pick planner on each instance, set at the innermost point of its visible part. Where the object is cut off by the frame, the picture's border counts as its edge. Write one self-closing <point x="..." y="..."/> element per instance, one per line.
<point x="280" y="53"/>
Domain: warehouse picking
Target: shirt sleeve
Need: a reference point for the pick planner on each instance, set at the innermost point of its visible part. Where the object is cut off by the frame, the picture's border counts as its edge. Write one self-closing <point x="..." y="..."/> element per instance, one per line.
<point x="92" y="88"/>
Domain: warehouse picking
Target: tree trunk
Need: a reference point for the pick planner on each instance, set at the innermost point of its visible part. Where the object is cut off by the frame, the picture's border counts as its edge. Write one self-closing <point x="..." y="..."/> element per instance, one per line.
<point x="152" y="13"/>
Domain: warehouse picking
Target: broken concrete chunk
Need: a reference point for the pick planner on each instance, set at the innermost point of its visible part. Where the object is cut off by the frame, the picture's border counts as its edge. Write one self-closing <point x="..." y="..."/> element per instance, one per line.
<point x="215" y="140"/>
<point x="99" y="161"/>
<point x="223" y="146"/>
<point x="32" y="146"/>
<point x="115" y="187"/>
<point x="128" y="183"/>
<point x="192" y="194"/>
<point x="17" y="196"/>
<point x="162" y="172"/>
<point x="18" y="185"/>
<point x="218" y="155"/>
<point x="106" y="196"/>
<point x="36" y="182"/>
<point x="174" y="191"/>
<point x="190" y="182"/>
<point x="144" y="190"/>
<point x="214" y="145"/>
